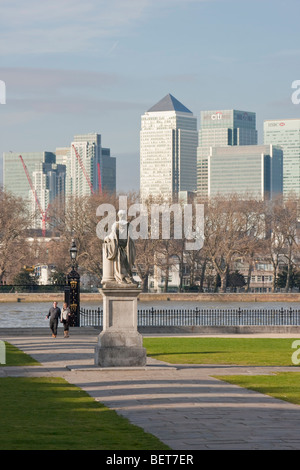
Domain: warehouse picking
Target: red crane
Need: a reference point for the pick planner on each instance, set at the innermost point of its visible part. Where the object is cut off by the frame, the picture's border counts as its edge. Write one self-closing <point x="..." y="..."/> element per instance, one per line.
<point x="84" y="172"/>
<point x="43" y="214"/>
<point x="86" y="175"/>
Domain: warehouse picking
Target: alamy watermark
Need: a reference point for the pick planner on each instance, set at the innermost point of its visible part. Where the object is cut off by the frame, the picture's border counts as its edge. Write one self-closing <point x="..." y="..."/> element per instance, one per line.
<point x="296" y="94"/>
<point x="157" y="221"/>
<point x="2" y="352"/>
<point x="2" y="92"/>
<point x="295" y="358"/>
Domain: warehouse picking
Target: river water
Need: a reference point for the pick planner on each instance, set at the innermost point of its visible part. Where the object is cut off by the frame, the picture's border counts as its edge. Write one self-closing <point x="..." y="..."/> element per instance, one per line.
<point x="25" y="315"/>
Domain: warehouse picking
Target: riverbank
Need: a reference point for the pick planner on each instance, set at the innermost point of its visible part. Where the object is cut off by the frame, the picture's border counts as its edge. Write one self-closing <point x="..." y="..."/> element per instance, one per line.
<point x="151" y="297"/>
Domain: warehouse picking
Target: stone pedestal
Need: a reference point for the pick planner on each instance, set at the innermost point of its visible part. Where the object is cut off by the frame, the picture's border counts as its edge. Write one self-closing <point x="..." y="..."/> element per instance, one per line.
<point x="120" y="344"/>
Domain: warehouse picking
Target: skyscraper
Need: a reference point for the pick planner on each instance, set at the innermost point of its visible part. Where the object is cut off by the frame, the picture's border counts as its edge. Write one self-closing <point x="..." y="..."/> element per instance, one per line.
<point x="286" y="133"/>
<point x="168" y="146"/>
<point x="89" y="166"/>
<point x="219" y="129"/>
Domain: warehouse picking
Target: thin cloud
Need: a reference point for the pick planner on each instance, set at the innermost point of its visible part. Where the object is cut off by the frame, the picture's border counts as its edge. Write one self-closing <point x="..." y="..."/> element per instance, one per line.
<point x="57" y="91"/>
<point x="35" y="27"/>
<point x="55" y="27"/>
<point x="25" y="80"/>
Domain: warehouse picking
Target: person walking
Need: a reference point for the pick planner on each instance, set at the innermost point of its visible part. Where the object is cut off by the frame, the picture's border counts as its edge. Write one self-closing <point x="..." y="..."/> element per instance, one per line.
<point x="54" y="314"/>
<point x="64" y="318"/>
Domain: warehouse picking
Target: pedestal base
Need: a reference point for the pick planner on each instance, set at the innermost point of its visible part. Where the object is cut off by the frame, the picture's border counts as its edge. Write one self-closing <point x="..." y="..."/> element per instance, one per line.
<point x="120" y="344"/>
<point x="120" y="349"/>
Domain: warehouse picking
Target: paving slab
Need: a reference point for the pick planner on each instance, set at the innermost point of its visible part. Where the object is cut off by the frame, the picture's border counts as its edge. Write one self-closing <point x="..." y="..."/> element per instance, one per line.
<point x="184" y="406"/>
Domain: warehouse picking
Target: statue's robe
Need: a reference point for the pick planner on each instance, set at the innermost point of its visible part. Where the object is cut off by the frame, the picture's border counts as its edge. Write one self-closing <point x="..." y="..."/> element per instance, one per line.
<point x="121" y="250"/>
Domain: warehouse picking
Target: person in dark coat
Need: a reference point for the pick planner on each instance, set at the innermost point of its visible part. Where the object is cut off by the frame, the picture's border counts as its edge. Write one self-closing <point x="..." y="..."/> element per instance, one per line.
<point x="54" y="315"/>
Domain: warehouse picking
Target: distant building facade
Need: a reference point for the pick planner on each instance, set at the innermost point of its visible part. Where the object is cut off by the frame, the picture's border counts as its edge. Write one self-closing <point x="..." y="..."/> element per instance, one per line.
<point x="220" y="129"/>
<point x="249" y="171"/>
<point x="90" y="167"/>
<point x="47" y="179"/>
<point x="286" y="134"/>
<point x="55" y="176"/>
<point x="14" y="176"/>
<point x="168" y="149"/>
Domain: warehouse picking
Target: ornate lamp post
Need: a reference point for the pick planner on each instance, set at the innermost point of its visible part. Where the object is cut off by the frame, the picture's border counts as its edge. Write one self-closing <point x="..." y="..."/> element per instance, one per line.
<point x="72" y="290"/>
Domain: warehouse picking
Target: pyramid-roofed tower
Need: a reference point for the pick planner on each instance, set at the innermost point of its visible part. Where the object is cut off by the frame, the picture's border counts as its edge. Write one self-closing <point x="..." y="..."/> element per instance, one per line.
<point x="169" y="103"/>
<point x="168" y="149"/>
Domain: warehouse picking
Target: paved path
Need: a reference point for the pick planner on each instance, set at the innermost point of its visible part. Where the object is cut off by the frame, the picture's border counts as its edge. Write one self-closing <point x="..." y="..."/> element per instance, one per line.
<point x="184" y="406"/>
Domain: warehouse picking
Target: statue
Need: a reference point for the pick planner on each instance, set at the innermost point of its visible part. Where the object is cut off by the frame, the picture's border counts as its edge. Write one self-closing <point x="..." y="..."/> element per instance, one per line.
<point x="119" y="247"/>
<point x="119" y="343"/>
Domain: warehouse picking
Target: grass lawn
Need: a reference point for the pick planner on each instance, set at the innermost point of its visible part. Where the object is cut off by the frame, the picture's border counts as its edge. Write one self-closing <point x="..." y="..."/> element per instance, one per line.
<point x="282" y="385"/>
<point x="50" y="413"/>
<point x="15" y="357"/>
<point x="240" y="351"/>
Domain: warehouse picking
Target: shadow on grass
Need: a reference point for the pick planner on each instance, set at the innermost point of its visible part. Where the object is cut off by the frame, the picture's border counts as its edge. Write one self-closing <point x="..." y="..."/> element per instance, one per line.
<point x="50" y="413"/>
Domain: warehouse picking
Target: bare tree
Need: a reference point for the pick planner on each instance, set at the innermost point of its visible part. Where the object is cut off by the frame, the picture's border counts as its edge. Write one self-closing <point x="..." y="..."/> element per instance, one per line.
<point x="227" y="228"/>
<point x="281" y="217"/>
<point x="14" y="223"/>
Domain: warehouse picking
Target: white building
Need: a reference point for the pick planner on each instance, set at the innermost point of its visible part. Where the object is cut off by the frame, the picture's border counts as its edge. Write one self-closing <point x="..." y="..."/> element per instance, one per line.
<point x="168" y="149"/>
<point x="44" y="273"/>
<point x="90" y="168"/>
<point x="286" y="134"/>
<point x="48" y="180"/>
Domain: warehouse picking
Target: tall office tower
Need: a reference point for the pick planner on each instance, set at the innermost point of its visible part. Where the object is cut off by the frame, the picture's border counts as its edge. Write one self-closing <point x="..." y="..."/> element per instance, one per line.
<point x="222" y="128"/>
<point x="49" y="182"/>
<point x="88" y="165"/>
<point x="251" y="171"/>
<point x="286" y="134"/>
<point x="14" y="175"/>
<point x="168" y="149"/>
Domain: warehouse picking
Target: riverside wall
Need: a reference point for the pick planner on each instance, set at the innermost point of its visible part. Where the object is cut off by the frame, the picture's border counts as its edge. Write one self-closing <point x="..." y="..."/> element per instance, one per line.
<point x="152" y="297"/>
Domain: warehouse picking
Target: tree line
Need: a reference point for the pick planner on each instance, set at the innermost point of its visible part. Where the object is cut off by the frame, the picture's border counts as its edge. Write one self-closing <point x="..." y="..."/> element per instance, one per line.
<point x="234" y="228"/>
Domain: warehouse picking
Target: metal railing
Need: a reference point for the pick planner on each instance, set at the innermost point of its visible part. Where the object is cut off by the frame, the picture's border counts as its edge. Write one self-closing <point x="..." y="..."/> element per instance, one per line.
<point x="203" y="317"/>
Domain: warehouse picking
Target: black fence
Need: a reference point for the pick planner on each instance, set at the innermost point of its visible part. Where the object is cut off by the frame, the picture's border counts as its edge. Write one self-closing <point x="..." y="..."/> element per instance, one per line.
<point x="203" y="317"/>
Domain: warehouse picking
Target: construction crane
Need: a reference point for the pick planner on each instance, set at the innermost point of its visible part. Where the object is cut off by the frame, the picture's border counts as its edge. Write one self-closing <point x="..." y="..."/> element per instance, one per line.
<point x="83" y="169"/>
<point x="43" y="213"/>
<point x="86" y="175"/>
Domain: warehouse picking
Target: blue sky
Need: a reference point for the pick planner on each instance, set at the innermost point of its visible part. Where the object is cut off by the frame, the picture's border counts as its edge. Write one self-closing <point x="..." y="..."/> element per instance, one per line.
<point x="72" y="67"/>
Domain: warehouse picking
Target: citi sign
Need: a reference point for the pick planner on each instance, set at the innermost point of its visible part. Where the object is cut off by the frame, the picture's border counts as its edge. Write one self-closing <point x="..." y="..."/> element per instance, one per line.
<point x="216" y="116"/>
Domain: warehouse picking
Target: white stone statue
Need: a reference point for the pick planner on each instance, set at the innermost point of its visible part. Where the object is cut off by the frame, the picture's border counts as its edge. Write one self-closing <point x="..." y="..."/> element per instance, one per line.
<point x="120" y="249"/>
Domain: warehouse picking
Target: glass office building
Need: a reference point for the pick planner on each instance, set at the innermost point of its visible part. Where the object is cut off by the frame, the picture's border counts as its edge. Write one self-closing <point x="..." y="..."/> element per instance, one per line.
<point x="47" y="178"/>
<point x="14" y="176"/>
<point x="168" y="149"/>
<point x="286" y="134"/>
<point x="251" y="171"/>
<point x="92" y="157"/>
<point x="219" y="129"/>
